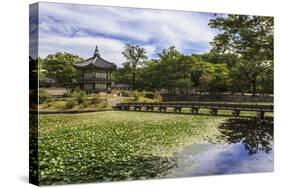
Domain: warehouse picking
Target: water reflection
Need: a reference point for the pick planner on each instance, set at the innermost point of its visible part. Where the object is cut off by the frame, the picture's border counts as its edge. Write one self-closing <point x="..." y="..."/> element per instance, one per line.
<point x="254" y="134"/>
<point x="244" y="146"/>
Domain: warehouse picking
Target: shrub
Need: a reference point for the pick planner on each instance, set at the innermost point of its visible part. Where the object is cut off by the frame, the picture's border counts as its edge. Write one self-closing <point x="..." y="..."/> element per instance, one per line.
<point x="149" y="95"/>
<point x="158" y="96"/>
<point x="70" y="104"/>
<point x="146" y="96"/>
<point x="103" y="104"/>
<point x="85" y="104"/>
<point x="95" y="100"/>
<point x="137" y="95"/>
<point x="143" y="99"/>
<point x="44" y="96"/>
<point x="80" y="96"/>
<point x="67" y="94"/>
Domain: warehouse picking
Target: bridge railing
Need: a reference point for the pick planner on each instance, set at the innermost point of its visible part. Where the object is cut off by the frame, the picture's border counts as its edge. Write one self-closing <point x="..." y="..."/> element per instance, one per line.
<point x="244" y="107"/>
<point x="195" y="106"/>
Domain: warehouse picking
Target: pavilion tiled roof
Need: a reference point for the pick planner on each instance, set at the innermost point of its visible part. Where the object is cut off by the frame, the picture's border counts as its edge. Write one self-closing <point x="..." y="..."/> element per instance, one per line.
<point x="96" y="61"/>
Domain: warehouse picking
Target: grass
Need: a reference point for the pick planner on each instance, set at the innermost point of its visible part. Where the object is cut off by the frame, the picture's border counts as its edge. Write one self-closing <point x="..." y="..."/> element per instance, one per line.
<point x="64" y="105"/>
<point x="113" y="146"/>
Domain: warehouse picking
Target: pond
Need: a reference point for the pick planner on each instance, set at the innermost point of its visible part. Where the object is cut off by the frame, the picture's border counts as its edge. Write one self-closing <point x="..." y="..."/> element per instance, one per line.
<point x="244" y="146"/>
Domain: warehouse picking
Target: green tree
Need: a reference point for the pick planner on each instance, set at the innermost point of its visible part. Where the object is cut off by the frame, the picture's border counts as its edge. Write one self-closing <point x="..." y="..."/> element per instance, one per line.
<point x="266" y="80"/>
<point x="169" y="68"/>
<point x="200" y="74"/>
<point x="250" y="38"/>
<point x="175" y="72"/>
<point x="184" y="84"/>
<point x="122" y="75"/>
<point x="219" y="58"/>
<point x="135" y="56"/>
<point x="149" y="77"/>
<point x="60" y="67"/>
<point x="219" y="79"/>
<point x="209" y="77"/>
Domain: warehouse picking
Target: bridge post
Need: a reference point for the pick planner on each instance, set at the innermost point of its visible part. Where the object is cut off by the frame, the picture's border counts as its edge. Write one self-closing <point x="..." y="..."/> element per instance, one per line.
<point x="236" y="113"/>
<point x="125" y="108"/>
<point x="137" y="108"/>
<point x="194" y="110"/>
<point x="177" y="109"/>
<point x="149" y="108"/>
<point x="260" y="114"/>
<point x="162" y="108"/>
<point x="214" y="111"/>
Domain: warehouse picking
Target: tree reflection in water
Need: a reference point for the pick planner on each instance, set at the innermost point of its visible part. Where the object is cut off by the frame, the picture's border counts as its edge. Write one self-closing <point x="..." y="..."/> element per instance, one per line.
<point x="253" y="133"/>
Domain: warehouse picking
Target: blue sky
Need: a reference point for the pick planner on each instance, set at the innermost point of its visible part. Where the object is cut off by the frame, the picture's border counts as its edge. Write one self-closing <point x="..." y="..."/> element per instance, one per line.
<point x="79" y="28"/>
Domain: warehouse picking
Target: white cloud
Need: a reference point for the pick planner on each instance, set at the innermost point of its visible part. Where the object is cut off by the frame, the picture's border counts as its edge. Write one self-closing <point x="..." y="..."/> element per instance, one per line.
<point x="78" y="28"/>
<point x="110" y="49"/>
<point x="83" y="46"/>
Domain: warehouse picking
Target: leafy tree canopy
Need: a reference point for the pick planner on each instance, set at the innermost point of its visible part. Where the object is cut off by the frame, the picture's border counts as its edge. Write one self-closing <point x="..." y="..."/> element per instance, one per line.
<point x="135" y="56"/>
<point x="248" y="37"/>
<point x="60" y="67"/>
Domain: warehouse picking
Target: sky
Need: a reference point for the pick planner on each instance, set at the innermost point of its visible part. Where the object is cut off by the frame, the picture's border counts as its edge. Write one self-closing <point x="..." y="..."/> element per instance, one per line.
<point x="78" y="29"/>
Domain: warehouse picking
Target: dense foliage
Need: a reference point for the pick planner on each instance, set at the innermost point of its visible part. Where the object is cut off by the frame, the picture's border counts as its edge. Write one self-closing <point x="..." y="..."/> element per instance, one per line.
<point x="250" y="38"/>
<point x="135" y="56"/>
<point x="60" y="67"/>
<point x="177" y="73"/>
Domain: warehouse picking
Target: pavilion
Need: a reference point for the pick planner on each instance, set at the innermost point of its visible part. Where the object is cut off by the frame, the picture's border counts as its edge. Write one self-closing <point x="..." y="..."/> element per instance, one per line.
<point x="95" y="73"/>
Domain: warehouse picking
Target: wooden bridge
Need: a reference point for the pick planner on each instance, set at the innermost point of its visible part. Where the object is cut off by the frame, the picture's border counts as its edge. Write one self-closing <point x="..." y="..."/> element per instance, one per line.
<point x="195" y="106"/>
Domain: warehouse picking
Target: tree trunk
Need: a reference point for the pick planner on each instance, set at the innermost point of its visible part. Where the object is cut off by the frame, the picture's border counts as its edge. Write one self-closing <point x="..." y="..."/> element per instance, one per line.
<point x="186" y="91"/>
<point x="254" y="87"/>
<point x="67" y="88"/>
<point x="134" y="80"/>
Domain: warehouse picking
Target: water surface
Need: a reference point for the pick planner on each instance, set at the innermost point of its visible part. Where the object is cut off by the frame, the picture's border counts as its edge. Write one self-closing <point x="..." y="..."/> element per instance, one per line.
<point x="244" y="146"/>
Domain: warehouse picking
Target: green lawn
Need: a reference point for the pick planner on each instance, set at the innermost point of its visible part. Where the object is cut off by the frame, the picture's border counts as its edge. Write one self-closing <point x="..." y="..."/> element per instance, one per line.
<point x="111" y="146"/>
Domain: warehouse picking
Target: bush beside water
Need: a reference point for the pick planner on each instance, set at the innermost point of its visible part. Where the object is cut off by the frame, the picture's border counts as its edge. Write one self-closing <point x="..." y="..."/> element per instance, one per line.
<point x="70" y="104"/>
<point x="44" y="97"/>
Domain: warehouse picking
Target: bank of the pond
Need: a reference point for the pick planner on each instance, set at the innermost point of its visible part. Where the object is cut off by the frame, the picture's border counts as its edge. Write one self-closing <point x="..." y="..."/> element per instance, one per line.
<point x="68" y="111"/>
<point x="111" y="146"/>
